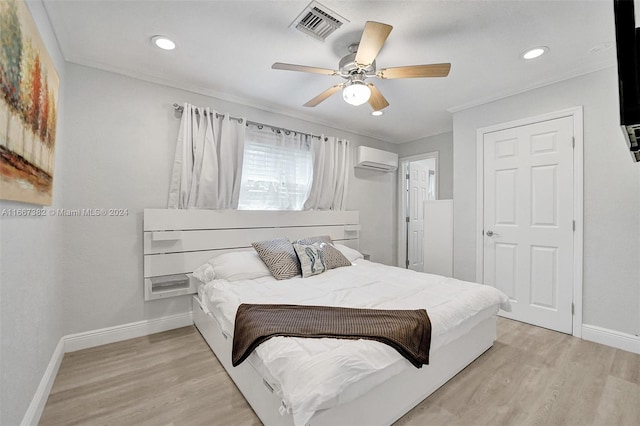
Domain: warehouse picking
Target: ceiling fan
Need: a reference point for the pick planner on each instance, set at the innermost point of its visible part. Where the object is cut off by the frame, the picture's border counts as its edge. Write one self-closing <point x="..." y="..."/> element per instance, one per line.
<point x="360" y="64"/>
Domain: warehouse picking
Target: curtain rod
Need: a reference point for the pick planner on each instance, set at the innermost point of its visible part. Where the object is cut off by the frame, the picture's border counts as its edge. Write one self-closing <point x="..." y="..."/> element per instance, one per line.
<point x="180" y="108"/>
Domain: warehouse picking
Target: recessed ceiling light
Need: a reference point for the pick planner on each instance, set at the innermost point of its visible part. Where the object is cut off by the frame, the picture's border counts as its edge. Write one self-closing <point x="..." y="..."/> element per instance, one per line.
<point x="163" y="42"/>
<point x="536" y="52"/>
<point x="377" y="113"/>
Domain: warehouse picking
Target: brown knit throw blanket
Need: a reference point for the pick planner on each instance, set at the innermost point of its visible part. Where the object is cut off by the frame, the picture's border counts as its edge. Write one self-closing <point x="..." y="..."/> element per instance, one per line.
<point x="407" y="331"/>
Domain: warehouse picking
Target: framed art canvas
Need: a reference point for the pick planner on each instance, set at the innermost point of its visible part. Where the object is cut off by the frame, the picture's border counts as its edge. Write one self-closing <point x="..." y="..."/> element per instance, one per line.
<point x="29" y="88"/>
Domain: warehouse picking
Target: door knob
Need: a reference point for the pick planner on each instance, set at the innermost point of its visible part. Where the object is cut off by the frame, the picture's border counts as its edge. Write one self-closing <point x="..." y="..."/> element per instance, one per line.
<point x="490" y="233"/>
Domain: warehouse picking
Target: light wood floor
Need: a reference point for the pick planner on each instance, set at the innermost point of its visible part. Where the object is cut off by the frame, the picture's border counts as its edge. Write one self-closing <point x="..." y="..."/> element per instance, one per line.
<point x="531" y="376"/>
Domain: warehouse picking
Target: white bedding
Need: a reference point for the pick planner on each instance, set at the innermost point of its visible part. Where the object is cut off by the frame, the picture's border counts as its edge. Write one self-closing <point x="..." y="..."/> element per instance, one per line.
<point x="310" y="374"/>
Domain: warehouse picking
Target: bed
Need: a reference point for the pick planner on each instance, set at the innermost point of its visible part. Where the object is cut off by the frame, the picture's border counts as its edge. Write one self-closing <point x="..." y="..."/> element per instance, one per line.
<point x="296" y="381"/>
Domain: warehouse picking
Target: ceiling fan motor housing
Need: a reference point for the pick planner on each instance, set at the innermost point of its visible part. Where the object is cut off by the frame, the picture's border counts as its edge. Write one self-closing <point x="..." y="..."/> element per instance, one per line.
<point x="348" y="67"/>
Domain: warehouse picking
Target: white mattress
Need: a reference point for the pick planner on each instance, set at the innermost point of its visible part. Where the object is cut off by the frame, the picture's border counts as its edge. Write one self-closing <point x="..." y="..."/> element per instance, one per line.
<point x="313" y="374"/>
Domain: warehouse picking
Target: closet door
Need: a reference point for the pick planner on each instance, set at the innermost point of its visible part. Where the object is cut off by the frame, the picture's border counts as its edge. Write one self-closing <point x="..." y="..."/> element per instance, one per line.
<point x="528" y="220"/>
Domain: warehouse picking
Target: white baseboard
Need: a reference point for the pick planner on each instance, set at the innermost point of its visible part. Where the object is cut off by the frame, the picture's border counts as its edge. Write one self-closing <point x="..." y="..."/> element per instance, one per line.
<point x="90" y="339"/>
<point x="34" y="412"/>
<point x="616" y="339"/>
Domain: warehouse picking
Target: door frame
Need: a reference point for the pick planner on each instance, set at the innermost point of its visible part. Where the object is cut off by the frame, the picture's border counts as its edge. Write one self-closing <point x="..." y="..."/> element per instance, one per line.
<point x="578" y="198"/>
<point x="402" y="238"/>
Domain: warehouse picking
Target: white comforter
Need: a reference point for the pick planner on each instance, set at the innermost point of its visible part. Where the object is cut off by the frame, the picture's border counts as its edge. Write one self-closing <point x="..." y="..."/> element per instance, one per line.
<point x="311" y="372"/>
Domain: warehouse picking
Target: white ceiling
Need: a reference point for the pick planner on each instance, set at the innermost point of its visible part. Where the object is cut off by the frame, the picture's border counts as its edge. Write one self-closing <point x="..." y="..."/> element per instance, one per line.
<point x="226" y="48"/>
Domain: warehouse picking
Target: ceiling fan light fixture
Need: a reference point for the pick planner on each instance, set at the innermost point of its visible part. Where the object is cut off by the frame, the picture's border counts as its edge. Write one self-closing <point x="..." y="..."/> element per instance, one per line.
<point x="163" y="42"/>
<point x="377" y="113"/>
<point x="356" y="93"/>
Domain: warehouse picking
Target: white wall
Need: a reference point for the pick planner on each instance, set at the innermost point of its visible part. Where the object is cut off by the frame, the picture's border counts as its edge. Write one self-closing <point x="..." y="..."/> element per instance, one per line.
<point x="30" y="292"/>
<point x="611" y="193"/>
<point x="443" y="143"/>
<point x="119" y="145"/>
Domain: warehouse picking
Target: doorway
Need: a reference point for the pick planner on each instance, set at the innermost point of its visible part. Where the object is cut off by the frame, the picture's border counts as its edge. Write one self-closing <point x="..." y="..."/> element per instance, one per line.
<point x="417" y="183"/>
<point x="530" y="214"/>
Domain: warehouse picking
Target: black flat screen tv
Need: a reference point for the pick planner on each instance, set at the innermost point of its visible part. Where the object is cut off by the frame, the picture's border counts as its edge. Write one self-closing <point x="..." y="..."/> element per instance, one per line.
<point x="628" y="52"/>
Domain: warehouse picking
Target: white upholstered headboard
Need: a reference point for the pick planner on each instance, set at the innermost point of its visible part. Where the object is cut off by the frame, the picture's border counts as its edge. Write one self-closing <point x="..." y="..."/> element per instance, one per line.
<point x="178" y="241"/>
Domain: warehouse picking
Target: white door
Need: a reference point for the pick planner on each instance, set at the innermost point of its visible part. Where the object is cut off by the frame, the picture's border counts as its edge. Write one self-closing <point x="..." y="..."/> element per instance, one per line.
<point x="528" y="220"/>
<point x="418" y="190"/>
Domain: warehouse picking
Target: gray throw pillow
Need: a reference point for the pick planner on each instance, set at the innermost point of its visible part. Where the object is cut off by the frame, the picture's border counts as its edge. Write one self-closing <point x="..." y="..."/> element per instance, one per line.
<point x="279" y="256"/>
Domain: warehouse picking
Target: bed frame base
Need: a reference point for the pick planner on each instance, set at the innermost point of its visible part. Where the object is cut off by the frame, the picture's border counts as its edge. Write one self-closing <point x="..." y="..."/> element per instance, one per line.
<point x="382" y="405"/>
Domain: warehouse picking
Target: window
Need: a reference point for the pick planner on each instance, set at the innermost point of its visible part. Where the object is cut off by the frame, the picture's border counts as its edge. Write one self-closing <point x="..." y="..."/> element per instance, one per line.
<point x="277" y="171"/>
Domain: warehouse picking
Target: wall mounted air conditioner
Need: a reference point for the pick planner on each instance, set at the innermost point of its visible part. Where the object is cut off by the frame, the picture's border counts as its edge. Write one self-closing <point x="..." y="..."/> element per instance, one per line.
<point x="376" y="159"/>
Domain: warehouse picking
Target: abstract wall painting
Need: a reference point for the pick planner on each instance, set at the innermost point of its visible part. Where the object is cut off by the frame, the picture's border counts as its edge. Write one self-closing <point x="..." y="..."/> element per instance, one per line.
<point x="29" y="89"/>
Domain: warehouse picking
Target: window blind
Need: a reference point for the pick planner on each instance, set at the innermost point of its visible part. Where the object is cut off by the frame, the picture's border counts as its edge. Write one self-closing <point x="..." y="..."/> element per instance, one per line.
<point x="277" y="172"/>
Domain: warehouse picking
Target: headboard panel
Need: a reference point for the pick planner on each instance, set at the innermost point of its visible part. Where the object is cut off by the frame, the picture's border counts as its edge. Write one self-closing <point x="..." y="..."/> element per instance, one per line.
<point x="178" y="241"/>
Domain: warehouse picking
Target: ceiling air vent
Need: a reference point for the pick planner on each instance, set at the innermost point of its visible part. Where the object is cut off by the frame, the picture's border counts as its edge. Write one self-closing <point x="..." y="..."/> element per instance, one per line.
<point x="318" y="21"/>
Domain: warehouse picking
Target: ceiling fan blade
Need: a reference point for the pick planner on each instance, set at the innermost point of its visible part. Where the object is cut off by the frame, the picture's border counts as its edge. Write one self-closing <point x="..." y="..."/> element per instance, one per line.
<point x="416" y="71"/>
<point x="303" y="68"/>
<point x="376" y="100"/>
<point x="324" y="95"/>
<point x="373" y="37"/>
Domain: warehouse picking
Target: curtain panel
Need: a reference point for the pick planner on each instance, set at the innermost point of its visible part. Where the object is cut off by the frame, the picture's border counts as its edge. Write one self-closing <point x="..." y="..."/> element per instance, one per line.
<point x="331" y="165"/>
<point x="208" y="160"/>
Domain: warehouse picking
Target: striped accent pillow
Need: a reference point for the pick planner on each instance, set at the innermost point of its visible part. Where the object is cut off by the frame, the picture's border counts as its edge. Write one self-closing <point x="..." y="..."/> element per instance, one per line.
<point x="279" y="256"/>
<point x="333" y="258"/>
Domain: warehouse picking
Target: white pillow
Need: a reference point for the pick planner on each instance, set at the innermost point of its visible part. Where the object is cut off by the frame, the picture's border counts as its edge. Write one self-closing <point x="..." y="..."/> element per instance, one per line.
<point x="233" y="266"/>
<point x="240" y="265"/>
<point x="349" y="253"/>
<point x="204" y="273"/>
